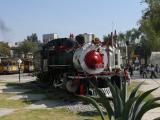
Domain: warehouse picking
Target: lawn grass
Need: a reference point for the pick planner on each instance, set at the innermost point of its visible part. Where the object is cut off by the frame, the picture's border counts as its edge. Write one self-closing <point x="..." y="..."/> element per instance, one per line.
<point x="48" y="114"/>
<point x="6" y="103"/>
<point x="41" y="114"/>
<point x="6" y="95"/>
<point x="132" y="86"/>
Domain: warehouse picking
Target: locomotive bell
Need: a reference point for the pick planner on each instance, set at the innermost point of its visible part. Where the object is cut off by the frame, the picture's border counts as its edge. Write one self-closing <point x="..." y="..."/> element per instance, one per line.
<point x="90" y="58"/>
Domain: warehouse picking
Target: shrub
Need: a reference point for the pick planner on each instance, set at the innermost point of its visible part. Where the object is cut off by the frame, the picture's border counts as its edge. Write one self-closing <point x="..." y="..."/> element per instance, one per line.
<point x="123" y="107"/>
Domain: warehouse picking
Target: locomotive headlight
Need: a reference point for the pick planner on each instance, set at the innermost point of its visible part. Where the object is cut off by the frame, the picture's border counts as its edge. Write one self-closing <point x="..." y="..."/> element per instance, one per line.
<point x="90" y="58"/>
<point x="94" y="59"/>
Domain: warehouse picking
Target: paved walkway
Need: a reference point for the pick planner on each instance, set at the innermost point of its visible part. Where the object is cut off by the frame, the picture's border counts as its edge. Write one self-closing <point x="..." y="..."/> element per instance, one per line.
<point x="6" y="111"/>
<point x="24" y="77"/>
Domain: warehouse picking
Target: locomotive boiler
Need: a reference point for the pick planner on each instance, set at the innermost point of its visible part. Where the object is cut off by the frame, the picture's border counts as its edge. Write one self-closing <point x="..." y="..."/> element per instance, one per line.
<point x="72" y="63"/>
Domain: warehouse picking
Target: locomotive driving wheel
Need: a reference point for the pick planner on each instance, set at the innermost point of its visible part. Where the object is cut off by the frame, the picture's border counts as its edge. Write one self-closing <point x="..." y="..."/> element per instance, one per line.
<point x="72" y="85"/>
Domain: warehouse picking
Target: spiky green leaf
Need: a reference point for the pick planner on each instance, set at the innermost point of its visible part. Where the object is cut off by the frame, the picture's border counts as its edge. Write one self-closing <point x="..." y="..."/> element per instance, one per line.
<point x="152" y="100"/>
<point x="116" y="101"/>
<point x="139" y="101"/>
<point x="145" y="109"/>
<point x="119" y="98"/>
<point x="104" y="101"/>
<point x="127" y="111"/>
<point x="124" y="92"/>
<point x="134" y="91"/>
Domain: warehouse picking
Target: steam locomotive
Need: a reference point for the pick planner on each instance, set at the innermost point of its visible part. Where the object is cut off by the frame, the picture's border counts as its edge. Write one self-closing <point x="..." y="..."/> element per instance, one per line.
<point x="73" y="63"/>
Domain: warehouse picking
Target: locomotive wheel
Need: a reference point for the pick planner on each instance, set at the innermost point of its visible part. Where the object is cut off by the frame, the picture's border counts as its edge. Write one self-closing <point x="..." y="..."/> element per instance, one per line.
<point x="56" y="81"/>
<point x="71" y="86"/>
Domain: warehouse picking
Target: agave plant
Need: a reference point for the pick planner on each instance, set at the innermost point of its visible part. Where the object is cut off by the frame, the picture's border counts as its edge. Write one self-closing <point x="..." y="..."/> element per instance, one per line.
<point x="123" y="106"/>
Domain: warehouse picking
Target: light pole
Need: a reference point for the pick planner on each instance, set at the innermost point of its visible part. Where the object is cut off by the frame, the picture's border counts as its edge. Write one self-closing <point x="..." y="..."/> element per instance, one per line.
<point x="127" y="43"/>
<point x="19" y="68"/>
<point x="126" y="54"/>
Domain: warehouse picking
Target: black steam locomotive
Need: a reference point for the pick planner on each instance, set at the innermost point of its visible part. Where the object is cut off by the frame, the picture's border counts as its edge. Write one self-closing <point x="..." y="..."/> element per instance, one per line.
<point x="72" y="63"/>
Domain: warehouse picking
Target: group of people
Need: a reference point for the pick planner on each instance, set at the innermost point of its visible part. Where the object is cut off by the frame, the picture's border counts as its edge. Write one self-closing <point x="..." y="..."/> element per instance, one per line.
<point x="146" y="71"/>
<point x="153" y="70"/>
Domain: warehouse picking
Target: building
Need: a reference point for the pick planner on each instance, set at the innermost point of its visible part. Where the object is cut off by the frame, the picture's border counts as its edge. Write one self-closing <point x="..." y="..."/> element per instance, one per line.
<point x="48" y="37"/>
<point x="155" y="58"/>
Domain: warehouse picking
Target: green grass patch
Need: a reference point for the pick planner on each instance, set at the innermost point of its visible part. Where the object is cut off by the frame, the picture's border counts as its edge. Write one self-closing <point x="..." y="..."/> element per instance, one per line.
<point x="48" y="114"/>
<point x="2" y="83"/>
<point x="5" y="96"/>
<point x="132" y="86"/>
<point x="5" y="103"/>
<point x="15" y="103"/>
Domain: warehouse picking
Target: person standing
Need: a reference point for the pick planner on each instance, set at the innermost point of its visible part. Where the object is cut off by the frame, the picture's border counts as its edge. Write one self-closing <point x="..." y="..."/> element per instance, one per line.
<point x="153" y="71"/>
<point x="157" y="68"/>
<point x="131" y="70"/>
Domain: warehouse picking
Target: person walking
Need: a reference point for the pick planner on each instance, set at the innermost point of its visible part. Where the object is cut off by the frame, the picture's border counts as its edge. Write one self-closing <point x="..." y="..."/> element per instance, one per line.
<point x="148" y="69"/>
<point x="153" y="71"/>
<point x="131" y="70"/>
<point x="141" y="69"/>
<point x="144" y="71"/>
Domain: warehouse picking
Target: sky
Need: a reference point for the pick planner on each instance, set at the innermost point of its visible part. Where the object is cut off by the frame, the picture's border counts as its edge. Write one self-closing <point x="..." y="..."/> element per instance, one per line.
<point x="20" y="18"/>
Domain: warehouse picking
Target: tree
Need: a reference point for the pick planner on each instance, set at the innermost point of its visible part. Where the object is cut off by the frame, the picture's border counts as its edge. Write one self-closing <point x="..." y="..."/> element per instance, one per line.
<point x="121" y="38"/>
<point x="106" y="37"/>
<point x="33" y="38"/>
<point x="143" y="49"/>
<point x="150" y="22"/>
<point x="129" y="38"/>
<point x="29" y="45"/>
<point x="4" y="49"/>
